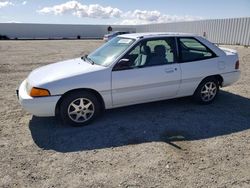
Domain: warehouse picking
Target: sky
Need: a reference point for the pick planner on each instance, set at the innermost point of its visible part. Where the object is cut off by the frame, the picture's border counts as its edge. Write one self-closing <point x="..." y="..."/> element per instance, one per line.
<point x="119" y="12"/>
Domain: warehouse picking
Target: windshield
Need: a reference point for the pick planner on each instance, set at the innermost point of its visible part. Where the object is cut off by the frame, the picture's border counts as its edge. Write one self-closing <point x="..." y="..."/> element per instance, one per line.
<point x="110" y="51"/>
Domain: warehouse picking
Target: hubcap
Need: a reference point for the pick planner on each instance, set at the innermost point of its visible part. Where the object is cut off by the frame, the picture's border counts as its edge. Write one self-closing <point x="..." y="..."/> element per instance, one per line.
<point x="208" y="91"/>
<point x="81" y="110"/>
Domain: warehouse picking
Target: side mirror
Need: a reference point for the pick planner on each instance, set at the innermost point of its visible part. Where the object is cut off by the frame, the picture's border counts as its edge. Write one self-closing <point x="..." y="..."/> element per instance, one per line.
<point x="123" y="61"/>
<point x="122" y="64"/>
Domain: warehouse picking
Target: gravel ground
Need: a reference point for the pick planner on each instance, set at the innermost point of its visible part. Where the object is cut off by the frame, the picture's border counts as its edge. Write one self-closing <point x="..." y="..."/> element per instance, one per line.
<point x="173" y="143"/>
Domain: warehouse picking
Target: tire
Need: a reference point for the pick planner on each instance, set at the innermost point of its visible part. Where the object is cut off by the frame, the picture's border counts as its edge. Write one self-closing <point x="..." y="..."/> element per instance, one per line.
<point x="79" y="108"/>
<point x="207" y="91"/>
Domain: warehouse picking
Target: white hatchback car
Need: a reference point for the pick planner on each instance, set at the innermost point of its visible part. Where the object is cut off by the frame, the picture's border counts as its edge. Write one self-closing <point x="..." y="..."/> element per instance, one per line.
<point x="129" y="69"/>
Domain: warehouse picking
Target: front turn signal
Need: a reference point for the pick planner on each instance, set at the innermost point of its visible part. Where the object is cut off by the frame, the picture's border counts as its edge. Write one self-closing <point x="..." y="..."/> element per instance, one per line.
<point x="39" y="92"/>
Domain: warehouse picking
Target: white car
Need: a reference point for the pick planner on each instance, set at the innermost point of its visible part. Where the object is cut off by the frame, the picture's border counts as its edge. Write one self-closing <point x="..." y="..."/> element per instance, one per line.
<point x="129" y="69"/>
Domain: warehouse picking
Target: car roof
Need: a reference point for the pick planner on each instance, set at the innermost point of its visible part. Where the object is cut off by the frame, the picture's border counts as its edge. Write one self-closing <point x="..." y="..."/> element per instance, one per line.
<point x="155" y="35"/>
<point x="116" y="32"/>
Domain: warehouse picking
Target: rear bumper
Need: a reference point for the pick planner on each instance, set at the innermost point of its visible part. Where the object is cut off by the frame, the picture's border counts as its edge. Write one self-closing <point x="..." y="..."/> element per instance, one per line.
<point x="38" y="106"/>
<point x="230" y="77"/>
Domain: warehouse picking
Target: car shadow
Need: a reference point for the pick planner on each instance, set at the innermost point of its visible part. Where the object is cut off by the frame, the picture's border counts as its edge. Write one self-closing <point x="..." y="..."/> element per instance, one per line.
<point x="165" y="121"/>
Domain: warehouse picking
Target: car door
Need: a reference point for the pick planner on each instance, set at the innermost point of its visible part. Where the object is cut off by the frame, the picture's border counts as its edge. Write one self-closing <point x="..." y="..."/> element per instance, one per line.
<point x="152" y="73"/>
<point x="197" y="61"/>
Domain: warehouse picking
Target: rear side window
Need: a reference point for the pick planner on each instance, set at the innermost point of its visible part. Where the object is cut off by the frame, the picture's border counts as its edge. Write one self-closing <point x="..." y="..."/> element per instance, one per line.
<point x="191" y="49"/>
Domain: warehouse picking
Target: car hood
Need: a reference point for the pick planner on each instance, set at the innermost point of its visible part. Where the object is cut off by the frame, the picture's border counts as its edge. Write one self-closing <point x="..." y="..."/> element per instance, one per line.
<point x="61" y="70"/>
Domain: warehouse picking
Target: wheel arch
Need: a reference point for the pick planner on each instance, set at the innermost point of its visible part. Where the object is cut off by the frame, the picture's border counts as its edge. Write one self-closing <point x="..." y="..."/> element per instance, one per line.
<point x="197" y="96"/>
<point x="92" y="91"/>
<point x="218" y="77"/>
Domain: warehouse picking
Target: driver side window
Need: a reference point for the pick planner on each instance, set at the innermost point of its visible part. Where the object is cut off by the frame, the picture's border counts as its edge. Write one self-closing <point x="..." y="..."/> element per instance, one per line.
<point x="153" y="52"/>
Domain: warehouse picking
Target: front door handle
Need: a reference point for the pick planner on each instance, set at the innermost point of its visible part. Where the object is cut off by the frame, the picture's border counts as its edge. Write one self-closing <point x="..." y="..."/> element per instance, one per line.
<point x="170" y="70"/>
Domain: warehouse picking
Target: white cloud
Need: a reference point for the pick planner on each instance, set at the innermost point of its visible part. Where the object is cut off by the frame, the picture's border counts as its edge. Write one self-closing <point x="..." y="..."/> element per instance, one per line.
<point x="97" y="11"/>
<point x="24" y="2"/>
<point x="13" y="21"/>
<point x="146" y="17"/>
<point x="5" y="4"/>
<point x="81" y="10"/>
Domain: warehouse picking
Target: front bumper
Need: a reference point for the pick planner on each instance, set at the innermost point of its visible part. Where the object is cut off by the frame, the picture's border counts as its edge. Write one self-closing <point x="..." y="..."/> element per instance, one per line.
<point x="38" y="106"/>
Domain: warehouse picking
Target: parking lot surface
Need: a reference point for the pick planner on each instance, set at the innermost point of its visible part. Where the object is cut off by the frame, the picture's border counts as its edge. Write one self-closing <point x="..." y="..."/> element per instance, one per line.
<point x="172" y="143"/>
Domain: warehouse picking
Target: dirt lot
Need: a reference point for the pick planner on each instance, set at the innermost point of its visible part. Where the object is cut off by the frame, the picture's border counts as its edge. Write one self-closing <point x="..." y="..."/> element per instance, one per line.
<point x="173" y="143"/>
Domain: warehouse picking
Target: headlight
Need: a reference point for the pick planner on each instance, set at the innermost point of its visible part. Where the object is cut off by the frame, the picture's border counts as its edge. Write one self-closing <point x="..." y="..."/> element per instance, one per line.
<point x="36" y="92"/>
<point x="39" y="92"/>
<point x="28" y="87"/>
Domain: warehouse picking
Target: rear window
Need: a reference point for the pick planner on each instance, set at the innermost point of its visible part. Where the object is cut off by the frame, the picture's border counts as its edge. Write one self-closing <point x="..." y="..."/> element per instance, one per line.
<point x="190" y="49"/>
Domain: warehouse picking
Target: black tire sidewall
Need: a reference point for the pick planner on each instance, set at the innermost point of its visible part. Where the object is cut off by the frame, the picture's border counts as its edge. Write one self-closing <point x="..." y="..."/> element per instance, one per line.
<point x="73" y="96"/>
<point x="197" y="95"/>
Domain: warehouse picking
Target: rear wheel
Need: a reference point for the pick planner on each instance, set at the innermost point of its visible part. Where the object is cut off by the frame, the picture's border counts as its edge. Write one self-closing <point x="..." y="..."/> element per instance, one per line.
<point x="79" y="108"/>
<point x="207" y="91"/>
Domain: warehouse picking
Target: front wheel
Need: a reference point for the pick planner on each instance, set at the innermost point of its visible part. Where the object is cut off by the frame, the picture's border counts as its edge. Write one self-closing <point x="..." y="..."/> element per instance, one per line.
<point x="207" y="91"/>
<point x="79" y="108"/>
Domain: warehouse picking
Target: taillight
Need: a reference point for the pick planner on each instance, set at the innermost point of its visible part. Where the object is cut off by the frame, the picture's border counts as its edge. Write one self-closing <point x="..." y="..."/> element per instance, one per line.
<point x="237" y="65"/>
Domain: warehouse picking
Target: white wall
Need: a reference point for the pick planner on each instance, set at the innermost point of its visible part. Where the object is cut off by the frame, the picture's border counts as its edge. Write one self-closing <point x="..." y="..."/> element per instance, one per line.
<point x="36" y="31"/>
<point x="222" y="31"/>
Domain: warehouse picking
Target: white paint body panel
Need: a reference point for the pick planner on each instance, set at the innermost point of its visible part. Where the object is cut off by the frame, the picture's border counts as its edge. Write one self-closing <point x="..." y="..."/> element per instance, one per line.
<point x="126" y="87"/>
<point x="145" y="84"/>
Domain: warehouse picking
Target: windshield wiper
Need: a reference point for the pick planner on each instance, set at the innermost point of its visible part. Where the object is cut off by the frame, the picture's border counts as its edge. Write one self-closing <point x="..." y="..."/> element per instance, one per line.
<point x="85" y="57"/>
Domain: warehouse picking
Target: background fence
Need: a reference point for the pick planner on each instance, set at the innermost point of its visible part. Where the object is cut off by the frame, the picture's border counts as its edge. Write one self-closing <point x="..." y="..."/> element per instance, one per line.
<point x="221" y="31"/>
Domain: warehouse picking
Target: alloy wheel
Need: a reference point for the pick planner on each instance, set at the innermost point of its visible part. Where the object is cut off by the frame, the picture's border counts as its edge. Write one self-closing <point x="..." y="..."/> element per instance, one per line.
<point x="81" y="110"/>
<point x="208" y="91"/>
